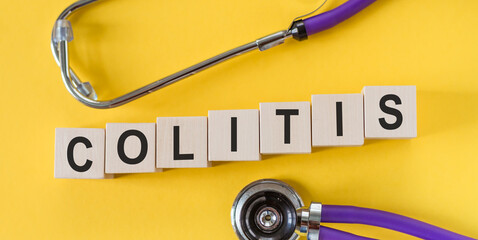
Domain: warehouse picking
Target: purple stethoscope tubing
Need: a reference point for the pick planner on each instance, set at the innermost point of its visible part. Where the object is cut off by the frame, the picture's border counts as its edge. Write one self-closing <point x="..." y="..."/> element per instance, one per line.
<point x="335" y="16"/>
<point x="327" y="233"/>
<point x="367" y="216"/>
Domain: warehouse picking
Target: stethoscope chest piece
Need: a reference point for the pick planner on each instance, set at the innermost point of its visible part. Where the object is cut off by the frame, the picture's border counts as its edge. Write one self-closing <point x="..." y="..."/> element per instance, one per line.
<point x="272" y="210"/>
<point x="266" y="209"/>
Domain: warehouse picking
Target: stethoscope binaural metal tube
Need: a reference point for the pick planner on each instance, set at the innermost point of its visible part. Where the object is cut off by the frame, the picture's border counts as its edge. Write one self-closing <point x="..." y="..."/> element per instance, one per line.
<point x="264" y="195"/>
<point x="83" y="91"/>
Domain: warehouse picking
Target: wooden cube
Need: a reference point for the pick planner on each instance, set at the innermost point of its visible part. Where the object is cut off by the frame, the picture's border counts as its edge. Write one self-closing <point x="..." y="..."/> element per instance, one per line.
<point x="80" y="153"/>
<point x="337" y="120"/>
<point x="181" y="142"/>
<point x="130" y="147"/>
<point x="233" y="135"/>
<point x="390" y="111"/>
<point x="285" y="127"/>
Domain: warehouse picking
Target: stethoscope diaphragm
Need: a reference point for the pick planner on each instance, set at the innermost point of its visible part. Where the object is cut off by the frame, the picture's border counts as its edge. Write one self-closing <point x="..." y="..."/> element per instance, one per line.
<point x="266" y="209"/>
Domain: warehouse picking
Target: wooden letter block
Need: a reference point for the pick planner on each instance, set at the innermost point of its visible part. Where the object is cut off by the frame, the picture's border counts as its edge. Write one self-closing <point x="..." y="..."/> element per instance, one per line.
<point x="130" y="147"/>
<point x="337" y="120"/>
<point x="181" y="142"/>
<point x="233" y="135"/>
<point x="390" y="111"/>
<point x="285" y="127"/>
<point x="80" y="153"/>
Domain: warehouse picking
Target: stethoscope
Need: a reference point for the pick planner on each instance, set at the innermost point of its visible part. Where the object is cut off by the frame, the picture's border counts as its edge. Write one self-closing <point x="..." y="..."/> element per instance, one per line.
<point x="300" y="29"/>
<point x="269" y="209"/>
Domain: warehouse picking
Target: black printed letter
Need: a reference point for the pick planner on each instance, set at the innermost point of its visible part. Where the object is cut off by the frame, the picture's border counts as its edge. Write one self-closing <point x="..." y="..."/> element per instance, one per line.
<point x="287" y="113"/>
<point x="339" y="119"/>
<point x="144" y="147"/>
<point x="177" y="155"/>
<point x="69" y="154"/>
<point x="391" y="111"/>
<point x="234" y="134"/>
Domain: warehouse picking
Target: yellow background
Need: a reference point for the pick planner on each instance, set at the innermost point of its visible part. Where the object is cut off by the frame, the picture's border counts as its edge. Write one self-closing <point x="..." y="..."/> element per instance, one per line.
<point x="121" y="45"/>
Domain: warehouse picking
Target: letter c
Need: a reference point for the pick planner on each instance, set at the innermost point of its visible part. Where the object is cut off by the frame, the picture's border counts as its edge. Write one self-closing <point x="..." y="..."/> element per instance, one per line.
<point x="69" y="154"/>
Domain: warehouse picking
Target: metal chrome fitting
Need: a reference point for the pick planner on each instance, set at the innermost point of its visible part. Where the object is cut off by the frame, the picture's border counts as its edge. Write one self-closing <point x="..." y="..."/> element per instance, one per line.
<point x="272" y="40"/>
<point x="308" y="221"/>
